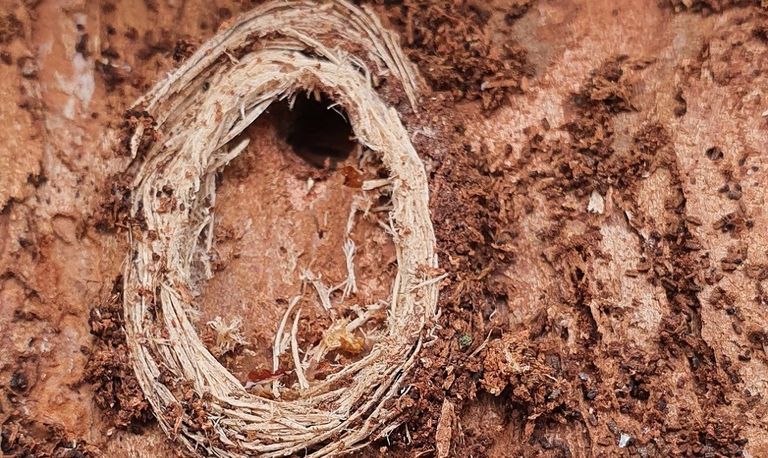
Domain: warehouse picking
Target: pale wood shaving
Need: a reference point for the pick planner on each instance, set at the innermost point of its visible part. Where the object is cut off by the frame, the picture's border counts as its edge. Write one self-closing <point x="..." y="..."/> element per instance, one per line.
<point x="272" y="53"/>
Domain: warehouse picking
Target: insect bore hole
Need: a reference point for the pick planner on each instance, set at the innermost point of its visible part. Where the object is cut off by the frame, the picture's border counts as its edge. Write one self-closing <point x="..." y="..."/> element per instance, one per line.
<point x="318" y="131"/>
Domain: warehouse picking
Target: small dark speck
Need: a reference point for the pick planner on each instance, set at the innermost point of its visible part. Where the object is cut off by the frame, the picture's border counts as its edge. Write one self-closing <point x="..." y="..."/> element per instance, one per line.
<point x="714" y="153"/>
<point x="18" y="381"/>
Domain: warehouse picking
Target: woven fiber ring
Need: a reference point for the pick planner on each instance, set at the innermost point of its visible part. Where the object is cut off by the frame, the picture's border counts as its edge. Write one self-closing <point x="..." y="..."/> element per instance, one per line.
<point x="272" y="53"/>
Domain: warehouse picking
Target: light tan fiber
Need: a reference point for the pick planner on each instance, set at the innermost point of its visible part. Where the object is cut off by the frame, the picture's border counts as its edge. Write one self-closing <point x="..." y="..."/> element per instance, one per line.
<point x="275" y="52"/>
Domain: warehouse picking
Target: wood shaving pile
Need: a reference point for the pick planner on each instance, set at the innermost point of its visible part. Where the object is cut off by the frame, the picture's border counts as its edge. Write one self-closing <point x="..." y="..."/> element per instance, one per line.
<point x="272" y="53"/>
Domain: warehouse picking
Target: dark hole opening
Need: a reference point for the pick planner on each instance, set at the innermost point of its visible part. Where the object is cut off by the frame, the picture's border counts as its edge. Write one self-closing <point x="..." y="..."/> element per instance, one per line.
<point x="317" y="133"/>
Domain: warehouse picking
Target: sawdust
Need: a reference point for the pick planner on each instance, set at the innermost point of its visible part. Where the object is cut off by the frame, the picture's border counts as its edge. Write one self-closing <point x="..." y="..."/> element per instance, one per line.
<point x="711" y="6"/>
<point x="116" y="389"/>
<point x="452" y="44"/>
<point x="647" y="316"/>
